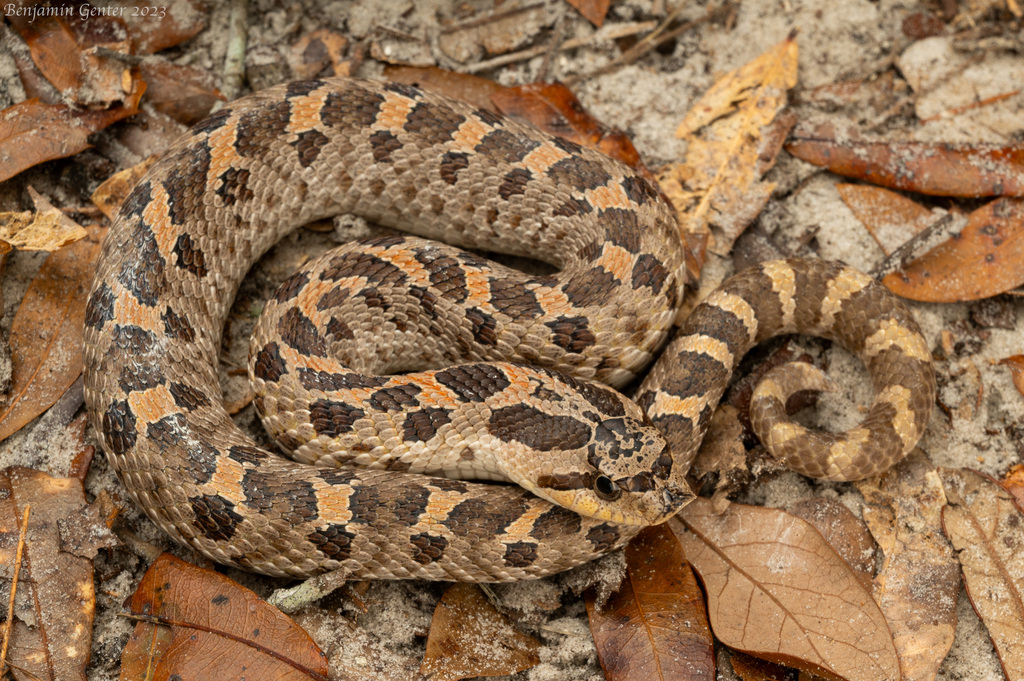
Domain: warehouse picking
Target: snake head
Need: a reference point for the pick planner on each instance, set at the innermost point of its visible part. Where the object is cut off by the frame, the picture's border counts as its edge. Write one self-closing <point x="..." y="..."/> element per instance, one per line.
<point x="627" y="476"/>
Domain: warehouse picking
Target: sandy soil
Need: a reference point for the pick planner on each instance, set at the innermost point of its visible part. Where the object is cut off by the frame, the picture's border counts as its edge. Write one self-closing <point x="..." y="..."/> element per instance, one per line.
<point x="852" y="40"/>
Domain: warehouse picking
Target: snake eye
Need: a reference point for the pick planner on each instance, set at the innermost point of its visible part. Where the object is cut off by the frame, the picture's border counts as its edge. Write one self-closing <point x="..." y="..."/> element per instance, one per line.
<point x="606" y="488"/>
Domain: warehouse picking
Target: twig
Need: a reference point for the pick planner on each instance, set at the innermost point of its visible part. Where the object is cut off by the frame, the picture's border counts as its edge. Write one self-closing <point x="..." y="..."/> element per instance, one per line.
<point x="936" y="233"/>
<point x="650" y="42"/>
<point x="611" y="32"/>
<point x="309" y="591"/>
<point x="558" y="35"/>
<point x="234" y="59"/>
<point x="14" y="588"/>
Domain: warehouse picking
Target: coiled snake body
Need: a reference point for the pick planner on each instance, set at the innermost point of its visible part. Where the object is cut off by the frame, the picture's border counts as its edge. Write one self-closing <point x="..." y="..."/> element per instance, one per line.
<point x="505" y="360"/>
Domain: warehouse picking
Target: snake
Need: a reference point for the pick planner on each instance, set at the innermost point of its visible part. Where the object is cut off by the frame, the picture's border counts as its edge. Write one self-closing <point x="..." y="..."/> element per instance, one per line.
<point x="390" y="366"/>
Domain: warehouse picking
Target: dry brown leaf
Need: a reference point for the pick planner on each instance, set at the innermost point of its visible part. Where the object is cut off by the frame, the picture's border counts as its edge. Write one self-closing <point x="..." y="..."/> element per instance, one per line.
<point x="722" y="456"/>
<point x="656" y="626"/>
<point x="734" y="135"/>
<point x="461" y="86"/>
<point x="185" y="93"/>
<point x="56" y="600"/>
<point x="46" y="334"/>
<point x="469" y="637"/>
<point x="986" y="259"/>
<point x="1016" y="367"/>
<point x="32" y="132"/>
<point x="926" y="167"/>
<point x="844" y="532"/>
<point x="891" y="218"/>
<point x="1014" y="483"/>
<point x="48" y="229"/>
<point x="317" y="50"/>
<point x="919" y="582"/>
<point x="502" y="30"/>
<point x="778" y="591"/>
<point x="750" y="668"/>
<point x="198" y="624"/>
<point x="109" y="196"/>
<point x="987" y="531"/>
<point x="593" y="11"/>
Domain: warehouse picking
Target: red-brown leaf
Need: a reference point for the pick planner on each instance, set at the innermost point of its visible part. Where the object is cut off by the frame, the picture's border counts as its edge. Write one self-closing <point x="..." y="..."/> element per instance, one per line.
<point x="32" y="132"/>
<point x="1016" y="366"/>
<point x="928" y="168"/>
<point x="891" y="218"/>
<point x="198" y="624"/>
<point x="46" y="334"/>
<point x="593" y="11"/>
<point x="185" y="93"/>
<point x="656" y="626"/>
<point x="986" y="259"/>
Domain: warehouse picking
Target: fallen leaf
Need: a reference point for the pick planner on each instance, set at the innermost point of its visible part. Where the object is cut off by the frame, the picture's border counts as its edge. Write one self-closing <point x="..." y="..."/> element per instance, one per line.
<point x="32" y="132"/>
<point x="891" y="218"/>
<point x="48" y="229"/>
<point x="461" y="86"/>
<point x="593" y="11"/>
<point x="1014" y="483"/>
<point x="986" y="259"/>
<point x="734" y="134"/>
<point x="778" y="591"/>
<point x="655" y="626"/>
<point x="185" y="93"/>
<point x="987" y="531"/>
<point x="844" y="532"/>
<point x="923" y="167"/>
<point x="109" y="196"/>
<point x="317" y="50"/>
<point x="553" y="108"/>
<point x="198" y="624"/>
<point x="722" y="457"/>
<point x="46" y="334"/>
<point x="1016" y="367"/>
<point x="750" y="668"/>
<point x="919" y="581"/>
<point x="469" y="637"/>
<point x="497" y="32"/>
<point x="56" y="599"/>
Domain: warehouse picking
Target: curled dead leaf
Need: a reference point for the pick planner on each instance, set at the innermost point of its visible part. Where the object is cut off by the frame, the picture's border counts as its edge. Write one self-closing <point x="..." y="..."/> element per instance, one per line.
<point x="919" y="581"/>
<point x="778" y="591"/>
<point x="109" y="196"/>
<point x="734" y="134"/>
<point x="891" y="218"/>
<point x="987" y="530"/>
<point x="1016" y="366"/>
<point x="655" y="626"/>
<point x="925" y="167"/>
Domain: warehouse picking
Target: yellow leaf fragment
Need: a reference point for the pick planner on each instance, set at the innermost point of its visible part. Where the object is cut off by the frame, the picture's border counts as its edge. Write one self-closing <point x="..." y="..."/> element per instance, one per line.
<point x="46" y="230"/>
<point x="734" y="133"/>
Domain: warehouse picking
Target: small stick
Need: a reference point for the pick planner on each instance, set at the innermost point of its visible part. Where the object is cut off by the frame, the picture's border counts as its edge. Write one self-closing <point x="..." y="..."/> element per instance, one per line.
<point x="650" y="42"/>
<point x="234" y="60"/>
<point x="930" y="237"/>
<point x="609" y="33"/>
<point x="14" y="588"/>
<point x="556" y="41"/>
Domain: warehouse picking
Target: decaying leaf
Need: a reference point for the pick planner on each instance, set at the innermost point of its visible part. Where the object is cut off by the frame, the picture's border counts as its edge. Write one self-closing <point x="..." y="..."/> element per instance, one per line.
<point x="987" y="531"/>
<point x="778" y="591"/>
<point x="109" y="196"/>
<point x="318" y="50"/>
<point x="1016" y="366"/>
<point x="891" y="218"/>
<point x="469" y="637"/>
<point x="734" y="135"/>
<point x="32" y="132"/>
<point x="198" y="624"/>
<point x="153" y="30"/>
<point x="919" y="582"/>
<point x="48" y="229"/>
<point x="1014" y="483"/>
<point x="185" y="93"/>
<point x="56" y="600"/>
<point x="46" y="334"/>
<point x="985" y="260"/>
<point x="924" y="167"/>
<point x="593" y="11"/>
<point x="464" y="87"/>
<point x="656" y="626"/>
<point x="750" y="668"/>
<point x="844" y="532"/>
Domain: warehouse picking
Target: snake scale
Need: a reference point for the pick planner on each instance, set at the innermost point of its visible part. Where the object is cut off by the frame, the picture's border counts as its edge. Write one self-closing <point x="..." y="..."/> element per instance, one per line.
<point x="414" y="357"/>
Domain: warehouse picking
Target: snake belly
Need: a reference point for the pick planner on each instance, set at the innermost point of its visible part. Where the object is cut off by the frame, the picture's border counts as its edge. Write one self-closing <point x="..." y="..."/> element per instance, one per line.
<point x="266" y="164"/>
